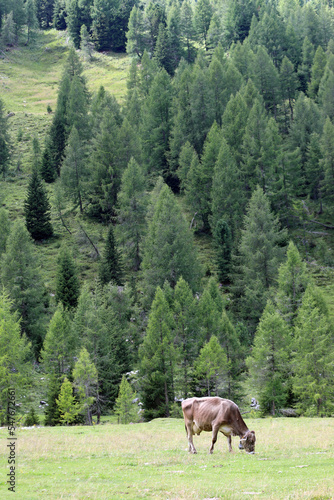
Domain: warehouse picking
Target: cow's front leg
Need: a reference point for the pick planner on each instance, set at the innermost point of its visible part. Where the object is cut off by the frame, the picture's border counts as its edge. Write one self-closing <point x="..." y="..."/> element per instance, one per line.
<point x="191" y="447"/>
<point x="214" y="438"/>
<point x="229" y="440"/>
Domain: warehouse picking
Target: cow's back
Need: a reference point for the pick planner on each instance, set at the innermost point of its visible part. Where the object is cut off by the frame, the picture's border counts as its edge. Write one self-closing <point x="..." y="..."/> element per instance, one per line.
<point x="207" y="410"/>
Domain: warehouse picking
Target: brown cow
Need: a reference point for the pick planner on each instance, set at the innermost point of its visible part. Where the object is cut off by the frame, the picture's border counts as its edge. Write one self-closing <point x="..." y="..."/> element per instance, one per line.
<point x="216" y="414"/>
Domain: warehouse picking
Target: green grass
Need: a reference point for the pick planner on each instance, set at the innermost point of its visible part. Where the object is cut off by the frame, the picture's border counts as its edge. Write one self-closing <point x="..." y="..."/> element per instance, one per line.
<point x="294" y="460"/>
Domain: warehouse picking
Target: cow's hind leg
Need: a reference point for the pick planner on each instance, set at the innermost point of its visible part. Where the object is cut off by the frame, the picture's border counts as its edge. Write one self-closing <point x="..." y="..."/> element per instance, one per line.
<point x="189" y="431"/>
<point x="214" y="438"/>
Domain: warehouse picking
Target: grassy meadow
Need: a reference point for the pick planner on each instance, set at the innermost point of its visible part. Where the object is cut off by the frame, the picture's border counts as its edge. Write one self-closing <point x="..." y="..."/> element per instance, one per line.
<point x="294" y="460"/>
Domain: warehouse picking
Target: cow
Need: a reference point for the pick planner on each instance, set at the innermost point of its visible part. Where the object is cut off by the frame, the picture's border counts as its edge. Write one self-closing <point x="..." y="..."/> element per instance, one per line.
<point x="216" y="414"/>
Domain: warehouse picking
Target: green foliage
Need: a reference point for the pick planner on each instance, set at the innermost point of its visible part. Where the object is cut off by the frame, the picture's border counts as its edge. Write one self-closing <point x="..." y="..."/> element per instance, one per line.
<point x="269" y="363"/>
<point x="14" y="355"/>
<point x="111" y="264"/>
<point x="68" y="406"/>
<point x="223" y="240"/>
<point x="168" y="251"/>
<point x="211" y="366"/>
<point x="4" y="141"/>
<point x="125" y="409"/>
<point x="313" y="355"/>
<point x="85" y="380"/>
<point x="37" y="209"/>
<point x="31" y="419"/>
<point x="4" y="229"/>
<point x="21" y="276"/>
<point x="67" y="281"/>
<point x="157" y="359"/>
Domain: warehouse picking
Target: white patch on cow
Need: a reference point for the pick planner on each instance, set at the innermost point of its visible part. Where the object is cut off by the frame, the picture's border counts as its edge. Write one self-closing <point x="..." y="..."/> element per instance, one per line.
<point x="226" y="430"/>
<point x="196" y="429"/>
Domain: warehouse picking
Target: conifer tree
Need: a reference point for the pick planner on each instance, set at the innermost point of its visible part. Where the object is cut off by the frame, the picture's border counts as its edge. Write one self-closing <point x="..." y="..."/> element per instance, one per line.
<point x="37" y="209"/>
<point x="31" y="19"/>
<point x="208" y="316"/>
<point x="269" y="363"/>
<point x="131" y="213"/>
<point x="85" y="380"/>
<point x="260" y="254"/>
<point x="313" y="355"/>
<point x="73" y="21"/>
<point x="4" y="141"/>
<point x="327" y="162"/>
<point x="202" y="18"/>
<point x="67" y="282"/>
<point x="186" y="335"/>
<point x="4" y="229"/>
<point x="223" y="242"/>
<point x="168" y="251"/>
<point x="188" y="29"/>
<point x="68" y="406"/>
<point x="211" y="366"/>
<point x="125" y="409"/>
<point x="137" y="40"/>
<point x="157" y="123"/>
<point x="111" y="265"/>
<point x="21" y="276"/>
<point x="86" y="45"/>
<point x="74" y="171"/>
<point x="229" y="340"/>
<point x="157" y="359"/>
<point x="14" y="355"/>
<point x="8" y="31"/>
<point x="317" y="71"/>
<point x="292" y="280"/>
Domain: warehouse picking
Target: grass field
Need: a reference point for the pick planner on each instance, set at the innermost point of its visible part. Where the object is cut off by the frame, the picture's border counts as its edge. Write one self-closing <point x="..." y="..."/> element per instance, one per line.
<point x="294" y="460"/>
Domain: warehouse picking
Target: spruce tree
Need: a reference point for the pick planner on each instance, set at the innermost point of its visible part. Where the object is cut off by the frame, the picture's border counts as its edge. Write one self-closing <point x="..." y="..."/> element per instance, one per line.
<point x="111" y="265"/>
<point x="223" y="242"/>
<point x="125" y="409"/>
<point x="37" y="209"/>
<point x="4" y="229"/>
<point x="67" y="282"/>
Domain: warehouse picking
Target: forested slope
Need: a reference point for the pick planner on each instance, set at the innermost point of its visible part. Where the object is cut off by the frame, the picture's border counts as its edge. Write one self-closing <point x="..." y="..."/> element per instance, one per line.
<point x="172" y="226"/>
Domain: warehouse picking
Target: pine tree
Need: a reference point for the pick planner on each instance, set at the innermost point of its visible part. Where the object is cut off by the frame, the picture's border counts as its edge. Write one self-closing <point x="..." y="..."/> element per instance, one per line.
<point x="68" y="406"/>
<point x="269" y="363"/>
<point x="157" y="359"/>
<point x="85" y="380"/>
<point x="124" y="406"/>
<point x="111" y="264"/>
<point x="211" y="366"/>
<point x="67" y="282"/>
<point x="37" y="209"/>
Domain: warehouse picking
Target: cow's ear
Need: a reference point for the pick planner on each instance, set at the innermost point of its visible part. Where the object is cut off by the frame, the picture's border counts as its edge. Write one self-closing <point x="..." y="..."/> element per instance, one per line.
<point x="252" y="432"/>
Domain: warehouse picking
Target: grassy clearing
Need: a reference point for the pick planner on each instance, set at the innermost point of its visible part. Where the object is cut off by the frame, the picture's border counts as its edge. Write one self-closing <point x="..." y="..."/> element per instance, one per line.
<point x="294" y="460"/>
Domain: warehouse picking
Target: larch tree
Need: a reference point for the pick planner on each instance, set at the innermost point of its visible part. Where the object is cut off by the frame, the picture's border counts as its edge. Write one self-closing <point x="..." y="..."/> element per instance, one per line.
<point x="261" y="251"/>
<point x="270" y="362"/>
<point x="168" y="251"/>
<point x="4" y="141"/>
<point x="157" y="359"/>
<point x="85" y="380"/>
<point x="211" y="366"/>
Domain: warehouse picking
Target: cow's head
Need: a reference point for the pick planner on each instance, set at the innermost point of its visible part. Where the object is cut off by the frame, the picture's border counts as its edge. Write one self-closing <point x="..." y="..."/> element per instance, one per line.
<point x="247" y="442"/>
